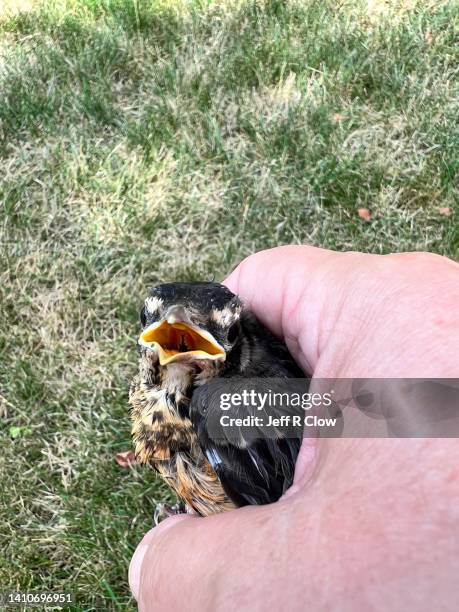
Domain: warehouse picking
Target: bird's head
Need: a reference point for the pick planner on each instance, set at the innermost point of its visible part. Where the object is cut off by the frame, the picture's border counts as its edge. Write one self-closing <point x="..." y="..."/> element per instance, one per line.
<point x="190" y="323"/>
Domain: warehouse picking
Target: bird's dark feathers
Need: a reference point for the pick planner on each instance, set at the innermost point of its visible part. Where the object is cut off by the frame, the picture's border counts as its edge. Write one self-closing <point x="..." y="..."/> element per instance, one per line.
<point x="176" y="412"/>
<point x="255" y="463"/>
<point x="203" y="295"/>
<point x="254" y="469"/>
<point x="259" y="353"/>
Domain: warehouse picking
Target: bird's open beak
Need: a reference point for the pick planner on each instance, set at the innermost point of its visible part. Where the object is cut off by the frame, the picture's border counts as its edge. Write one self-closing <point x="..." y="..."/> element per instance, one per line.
<point x="179" y="341"/>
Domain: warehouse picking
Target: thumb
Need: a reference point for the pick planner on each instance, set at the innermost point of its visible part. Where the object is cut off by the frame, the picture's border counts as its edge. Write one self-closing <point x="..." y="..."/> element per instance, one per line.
<point x="289" y="289"/>
<point x="178" y="564"/>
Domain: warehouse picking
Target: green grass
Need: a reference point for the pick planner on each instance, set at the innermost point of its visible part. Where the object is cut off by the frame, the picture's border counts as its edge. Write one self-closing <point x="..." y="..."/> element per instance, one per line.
<point x="143" y="141"/>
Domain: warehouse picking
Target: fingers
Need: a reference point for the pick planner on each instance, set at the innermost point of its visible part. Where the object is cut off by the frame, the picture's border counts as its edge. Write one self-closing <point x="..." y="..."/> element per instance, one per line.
<point x="311" y="550"/>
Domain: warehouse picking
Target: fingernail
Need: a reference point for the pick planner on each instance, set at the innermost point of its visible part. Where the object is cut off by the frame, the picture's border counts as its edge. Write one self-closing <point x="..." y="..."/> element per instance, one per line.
<point x="135" y="569"/>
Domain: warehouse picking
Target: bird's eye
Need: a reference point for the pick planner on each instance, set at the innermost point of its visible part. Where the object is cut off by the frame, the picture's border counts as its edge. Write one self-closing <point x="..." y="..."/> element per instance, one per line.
<point x="233" y="332"/>
<point x="143" y="317"/>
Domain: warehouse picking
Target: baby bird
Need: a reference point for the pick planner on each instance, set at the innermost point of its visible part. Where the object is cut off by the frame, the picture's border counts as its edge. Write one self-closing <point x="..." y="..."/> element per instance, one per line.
<point x="198" y="341"/>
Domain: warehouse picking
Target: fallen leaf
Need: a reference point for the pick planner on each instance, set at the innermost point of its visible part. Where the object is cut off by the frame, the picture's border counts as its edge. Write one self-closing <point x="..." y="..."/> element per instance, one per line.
<point x="364" y="214"/>
<point x="337" y="118"/>
<point x="125" y="459"/>
<point x="444" y="210"/>
<point x="428" y="37"/>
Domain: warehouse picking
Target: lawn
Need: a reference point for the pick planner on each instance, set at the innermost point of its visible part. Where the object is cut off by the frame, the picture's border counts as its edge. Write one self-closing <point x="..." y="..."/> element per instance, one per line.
<point x="146" y="140"/>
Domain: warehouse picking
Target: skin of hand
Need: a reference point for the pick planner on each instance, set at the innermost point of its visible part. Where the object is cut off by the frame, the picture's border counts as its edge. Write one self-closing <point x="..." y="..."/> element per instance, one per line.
<point x="369" y="524"/>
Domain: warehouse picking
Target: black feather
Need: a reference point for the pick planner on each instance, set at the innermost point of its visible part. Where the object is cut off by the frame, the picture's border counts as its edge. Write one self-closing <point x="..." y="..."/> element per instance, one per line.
<point x="253" y="466"/>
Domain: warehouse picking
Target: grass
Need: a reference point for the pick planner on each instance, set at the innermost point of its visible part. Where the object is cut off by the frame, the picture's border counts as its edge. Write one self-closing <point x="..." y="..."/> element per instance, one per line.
<point x="143" y="141"/>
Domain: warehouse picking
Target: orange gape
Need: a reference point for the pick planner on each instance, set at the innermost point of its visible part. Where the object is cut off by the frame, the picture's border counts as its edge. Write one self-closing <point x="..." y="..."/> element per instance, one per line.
<point x="175" y="341"/>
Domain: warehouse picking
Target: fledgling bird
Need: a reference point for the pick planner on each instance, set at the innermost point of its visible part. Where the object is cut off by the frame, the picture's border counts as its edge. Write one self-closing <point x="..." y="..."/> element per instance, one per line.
<point x="199" y="340"/>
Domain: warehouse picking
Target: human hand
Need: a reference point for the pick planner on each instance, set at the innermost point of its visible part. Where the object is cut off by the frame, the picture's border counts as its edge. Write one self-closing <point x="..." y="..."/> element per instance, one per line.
<point x="367" y="523"/>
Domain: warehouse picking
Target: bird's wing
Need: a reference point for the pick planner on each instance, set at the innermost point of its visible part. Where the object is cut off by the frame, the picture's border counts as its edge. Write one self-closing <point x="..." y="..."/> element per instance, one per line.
<point x="255" y="462"/>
